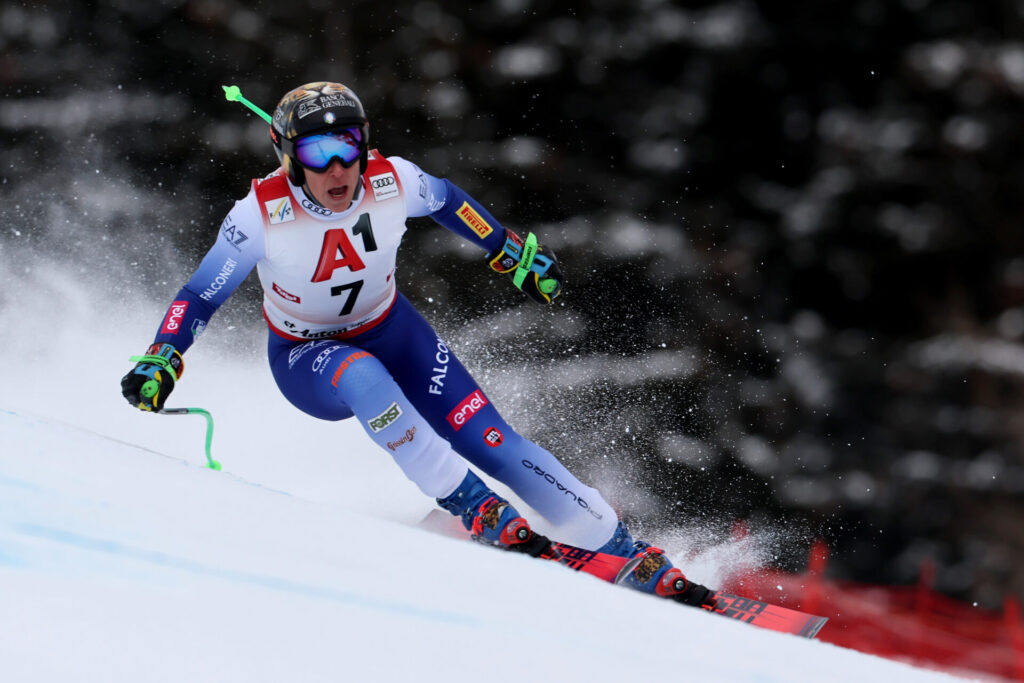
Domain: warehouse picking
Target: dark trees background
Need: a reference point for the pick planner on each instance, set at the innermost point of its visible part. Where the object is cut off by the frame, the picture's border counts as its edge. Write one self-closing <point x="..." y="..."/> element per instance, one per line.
<point x="790" y="230"/>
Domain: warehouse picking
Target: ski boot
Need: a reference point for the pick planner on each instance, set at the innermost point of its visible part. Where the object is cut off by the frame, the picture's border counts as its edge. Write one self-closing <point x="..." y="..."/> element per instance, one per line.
<point x="492" y="520"/>
<point x="654" y="573"/>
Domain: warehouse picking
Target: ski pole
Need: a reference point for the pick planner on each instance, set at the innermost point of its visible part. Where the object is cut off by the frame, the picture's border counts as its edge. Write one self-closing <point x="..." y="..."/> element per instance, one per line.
<point x="210" y="462"/>
<point x="233" y="94"/>
<point x="151" y="387"/>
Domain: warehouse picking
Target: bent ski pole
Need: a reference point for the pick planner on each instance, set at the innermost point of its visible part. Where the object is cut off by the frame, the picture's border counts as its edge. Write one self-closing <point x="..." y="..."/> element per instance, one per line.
<point x="210" y="462"/>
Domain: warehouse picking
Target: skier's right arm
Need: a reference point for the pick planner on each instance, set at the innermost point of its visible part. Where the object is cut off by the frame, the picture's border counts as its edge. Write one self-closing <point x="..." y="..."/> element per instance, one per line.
<point x="232" y="257"/>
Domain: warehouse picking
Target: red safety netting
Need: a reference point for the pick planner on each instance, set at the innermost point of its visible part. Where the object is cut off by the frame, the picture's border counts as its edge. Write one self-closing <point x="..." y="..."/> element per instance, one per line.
<point x="912" y="624"/>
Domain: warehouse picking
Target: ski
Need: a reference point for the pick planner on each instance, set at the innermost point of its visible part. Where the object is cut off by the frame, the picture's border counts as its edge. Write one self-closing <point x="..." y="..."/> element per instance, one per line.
<point x="614" y="569"/>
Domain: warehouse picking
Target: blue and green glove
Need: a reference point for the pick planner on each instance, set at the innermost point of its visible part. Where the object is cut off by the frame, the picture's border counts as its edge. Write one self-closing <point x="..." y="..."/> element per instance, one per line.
<point x="533" y="267"/>
<point x="151" y="381"/>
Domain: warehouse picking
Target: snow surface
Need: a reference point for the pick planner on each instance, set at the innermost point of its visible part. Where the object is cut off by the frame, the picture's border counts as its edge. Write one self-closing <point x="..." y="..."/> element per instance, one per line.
<point x="123" y="559"/>
<point x="118" y="563"/>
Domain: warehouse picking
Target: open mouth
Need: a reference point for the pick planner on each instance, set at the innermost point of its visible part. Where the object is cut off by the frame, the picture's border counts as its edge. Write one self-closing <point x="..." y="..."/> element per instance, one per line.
<point x="338" y="192"/>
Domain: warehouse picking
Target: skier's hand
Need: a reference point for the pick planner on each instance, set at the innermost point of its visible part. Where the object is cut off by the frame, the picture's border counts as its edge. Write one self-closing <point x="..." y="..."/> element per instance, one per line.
<point x="533" y="267"/>
<point x="151" y="381"/>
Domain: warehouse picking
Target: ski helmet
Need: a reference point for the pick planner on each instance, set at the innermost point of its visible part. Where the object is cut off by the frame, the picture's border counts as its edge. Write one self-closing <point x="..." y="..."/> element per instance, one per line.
<point x="315" y="108"/>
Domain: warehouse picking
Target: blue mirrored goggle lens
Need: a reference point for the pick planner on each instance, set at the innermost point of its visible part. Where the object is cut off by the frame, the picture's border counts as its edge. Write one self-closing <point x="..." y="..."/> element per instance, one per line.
<point x="316" y="151"/>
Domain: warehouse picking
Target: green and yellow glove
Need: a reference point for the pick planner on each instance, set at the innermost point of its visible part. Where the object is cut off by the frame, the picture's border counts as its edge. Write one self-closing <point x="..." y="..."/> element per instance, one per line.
<point x="151" y="381"/>
<point x="533" y="267"/>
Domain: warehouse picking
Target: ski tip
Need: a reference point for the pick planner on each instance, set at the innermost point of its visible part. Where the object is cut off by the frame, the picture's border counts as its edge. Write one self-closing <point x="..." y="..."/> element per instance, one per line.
<point x="813" y="625"/>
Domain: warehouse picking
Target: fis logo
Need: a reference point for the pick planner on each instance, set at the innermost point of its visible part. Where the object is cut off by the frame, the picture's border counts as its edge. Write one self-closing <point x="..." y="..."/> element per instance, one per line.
<point x="280" y="210"/>
<point x="385" y="419"/>
<point x="469" y="406"/>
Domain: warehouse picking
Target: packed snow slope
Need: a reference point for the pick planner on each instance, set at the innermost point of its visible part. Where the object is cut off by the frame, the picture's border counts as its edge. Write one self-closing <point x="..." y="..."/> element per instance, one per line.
<point x="123" y="559"/>
<point x="119" y="563"/>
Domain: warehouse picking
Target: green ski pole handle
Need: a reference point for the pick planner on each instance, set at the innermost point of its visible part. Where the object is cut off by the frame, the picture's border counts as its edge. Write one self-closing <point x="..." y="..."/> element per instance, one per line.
<point x="233" y="94"/>
<point x="526" y="260"/>
<point x="546" y="285"/>
<point x="210" y="462"/>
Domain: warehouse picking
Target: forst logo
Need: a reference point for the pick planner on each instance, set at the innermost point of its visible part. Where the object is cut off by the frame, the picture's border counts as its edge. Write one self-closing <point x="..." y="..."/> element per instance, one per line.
<point x="175" y="314"/>
<point x="466" y="409"/>
<point x="384" y="420"/>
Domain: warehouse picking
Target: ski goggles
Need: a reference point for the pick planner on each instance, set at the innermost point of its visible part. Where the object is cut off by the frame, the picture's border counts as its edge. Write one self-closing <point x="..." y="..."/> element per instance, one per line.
<point x="316" y="152"/>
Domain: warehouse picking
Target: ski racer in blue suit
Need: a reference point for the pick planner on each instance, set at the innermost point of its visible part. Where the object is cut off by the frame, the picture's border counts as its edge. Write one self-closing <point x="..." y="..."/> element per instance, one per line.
<point x="323" y="232"/>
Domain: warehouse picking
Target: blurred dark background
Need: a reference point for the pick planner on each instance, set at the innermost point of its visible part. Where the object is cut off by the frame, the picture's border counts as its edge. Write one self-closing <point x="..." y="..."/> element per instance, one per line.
<point x="790" y="231"/>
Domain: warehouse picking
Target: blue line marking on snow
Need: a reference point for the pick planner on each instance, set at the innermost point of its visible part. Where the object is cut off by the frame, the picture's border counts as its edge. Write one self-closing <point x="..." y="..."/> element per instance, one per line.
<point x="7" y="559"/>
<point x="19" y="483"/>
<point x="272" y="582"/>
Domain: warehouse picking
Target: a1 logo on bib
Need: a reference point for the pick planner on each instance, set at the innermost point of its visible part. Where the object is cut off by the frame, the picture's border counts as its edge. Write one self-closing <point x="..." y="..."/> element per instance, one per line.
<point x="280" y="210"/>
<point x="384" y="186"/>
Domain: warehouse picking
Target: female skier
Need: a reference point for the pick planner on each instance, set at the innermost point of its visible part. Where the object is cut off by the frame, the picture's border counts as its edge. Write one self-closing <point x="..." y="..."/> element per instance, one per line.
<point x="323" y="232"/>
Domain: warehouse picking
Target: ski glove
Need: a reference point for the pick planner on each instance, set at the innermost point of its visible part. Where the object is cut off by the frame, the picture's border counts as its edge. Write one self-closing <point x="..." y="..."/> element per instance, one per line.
<point x="152" y="379"/>
<point x="533" y="267"/>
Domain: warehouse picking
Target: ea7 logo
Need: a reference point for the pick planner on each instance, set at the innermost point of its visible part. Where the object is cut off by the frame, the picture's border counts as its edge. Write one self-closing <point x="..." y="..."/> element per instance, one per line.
<point x="232" y="234"/>
<point x="466" y="409"/>
<point x="280" y="210"/>
<point x="385" y="419"/>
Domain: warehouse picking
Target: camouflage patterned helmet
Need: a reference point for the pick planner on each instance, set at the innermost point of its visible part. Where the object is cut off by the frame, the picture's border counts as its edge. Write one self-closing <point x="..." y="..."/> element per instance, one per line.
<point x="315" y="108"/>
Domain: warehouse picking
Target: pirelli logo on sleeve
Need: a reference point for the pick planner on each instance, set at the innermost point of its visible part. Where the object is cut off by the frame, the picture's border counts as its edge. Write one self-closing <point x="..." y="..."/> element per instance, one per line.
<point x="475" y="222"/>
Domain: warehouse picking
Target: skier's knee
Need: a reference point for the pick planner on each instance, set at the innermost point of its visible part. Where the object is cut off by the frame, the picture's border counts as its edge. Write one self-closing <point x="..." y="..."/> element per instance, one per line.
<point x="355" y="372"/>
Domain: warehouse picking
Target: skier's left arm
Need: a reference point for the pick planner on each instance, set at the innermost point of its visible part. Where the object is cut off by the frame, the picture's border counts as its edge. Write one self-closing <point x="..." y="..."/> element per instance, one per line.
<point x="532" y="266"/>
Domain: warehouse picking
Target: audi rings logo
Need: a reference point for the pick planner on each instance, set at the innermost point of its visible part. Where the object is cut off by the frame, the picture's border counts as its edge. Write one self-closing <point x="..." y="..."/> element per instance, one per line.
<point x="313" y="208"/>
<point x="385" y="186"/>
